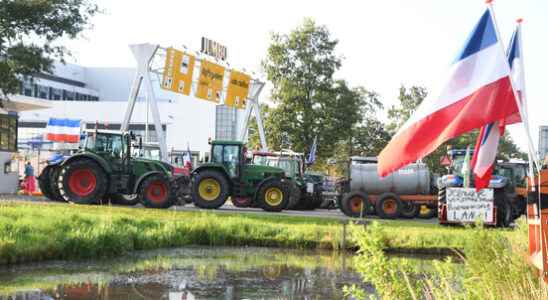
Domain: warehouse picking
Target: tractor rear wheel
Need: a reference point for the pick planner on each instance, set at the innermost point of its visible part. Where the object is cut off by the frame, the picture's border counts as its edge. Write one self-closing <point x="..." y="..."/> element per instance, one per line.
<point x="44" y="184"/>
<point x="82" y="181"/>
<point x="54" y="184"/>
<point x="155" y="192"/>
<point x="409" y="210"/>
<point x="210" y="189"/>
<point x="123" y="199"/>
<point x="273" y="196"/>
<point x="355" y="204"/>
<point x="504" y="208"/>
<point x="388" y="206"/>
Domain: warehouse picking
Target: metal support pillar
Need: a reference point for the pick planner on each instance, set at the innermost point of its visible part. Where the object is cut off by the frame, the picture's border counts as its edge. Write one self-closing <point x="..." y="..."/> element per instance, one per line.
<point x="253" y="105"/>
<point x="143" y="54"/>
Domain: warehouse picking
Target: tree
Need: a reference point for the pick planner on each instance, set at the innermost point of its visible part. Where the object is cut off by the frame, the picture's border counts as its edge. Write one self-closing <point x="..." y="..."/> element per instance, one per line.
<point x="307" y="101"/>
<point x="28" y="32"/>
<point x="409" y="100"/>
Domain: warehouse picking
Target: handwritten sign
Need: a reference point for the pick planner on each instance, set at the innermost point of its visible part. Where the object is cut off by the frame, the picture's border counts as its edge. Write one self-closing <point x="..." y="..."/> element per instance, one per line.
<point x="467" y="205"/>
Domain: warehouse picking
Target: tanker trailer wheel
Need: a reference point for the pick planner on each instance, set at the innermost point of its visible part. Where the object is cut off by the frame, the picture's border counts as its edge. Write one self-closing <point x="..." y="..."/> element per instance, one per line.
<point x="388" y="206"/>
<point x="44" y="184"/>
<point x="273" y="195"/>
<point x="124" y="199"/>
<point x="210" y="189"/>
<point x="426" y="211"/>
<point x="155" y="192"/>
<point x="82" y="181"/>
<point x="355" y="204"/>
<point x="409" y="210"/>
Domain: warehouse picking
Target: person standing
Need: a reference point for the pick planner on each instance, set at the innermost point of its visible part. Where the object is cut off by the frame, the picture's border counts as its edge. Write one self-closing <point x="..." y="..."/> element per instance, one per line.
<point x="30" y="184"/>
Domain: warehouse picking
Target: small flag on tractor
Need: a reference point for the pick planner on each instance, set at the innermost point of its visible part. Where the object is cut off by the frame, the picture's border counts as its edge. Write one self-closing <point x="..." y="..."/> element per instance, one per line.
<point x="312" y="155"/>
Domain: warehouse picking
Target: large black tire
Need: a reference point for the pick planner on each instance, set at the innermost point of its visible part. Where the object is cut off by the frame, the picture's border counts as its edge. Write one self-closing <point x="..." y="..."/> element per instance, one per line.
<point x="408" y="210"/>
<point x="44" y="184"/>
<point x="82" y="181"/>
<point x="355" y="204"/>
<point x="210" y="189"/>
<point x="273" y="195"/>
<point x="54" y="184"/>
<point x="388" y="206"/>
<point x="122" y="199"/>
<point x="155" y="192"/>
<point x="504" y="209"/>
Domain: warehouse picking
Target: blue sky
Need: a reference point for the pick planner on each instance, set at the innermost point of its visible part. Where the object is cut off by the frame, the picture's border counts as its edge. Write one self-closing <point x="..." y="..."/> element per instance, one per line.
<point x="384" y="43"/>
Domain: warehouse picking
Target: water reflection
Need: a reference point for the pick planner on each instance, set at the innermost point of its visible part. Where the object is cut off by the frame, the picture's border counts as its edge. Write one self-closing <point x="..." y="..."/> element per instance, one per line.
<point x="187" y="273"/>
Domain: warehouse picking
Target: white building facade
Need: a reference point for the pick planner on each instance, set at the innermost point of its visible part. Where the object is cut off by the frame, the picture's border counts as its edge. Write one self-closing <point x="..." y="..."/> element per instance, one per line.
<point x="99" y="95"/>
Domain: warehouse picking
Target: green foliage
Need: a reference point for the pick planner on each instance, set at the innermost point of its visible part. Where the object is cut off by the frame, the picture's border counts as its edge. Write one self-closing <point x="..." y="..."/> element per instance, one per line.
<point x="409" y="100"/>
<point x="307" y="100"/>
<point x="28" y="31"/>
<point x="494" y="267"/>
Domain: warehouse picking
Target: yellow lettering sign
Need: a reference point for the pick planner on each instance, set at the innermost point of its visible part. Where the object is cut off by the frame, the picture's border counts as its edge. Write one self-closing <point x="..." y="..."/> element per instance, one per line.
<point x="178" y="70"/>
<point x="238" y="88"/>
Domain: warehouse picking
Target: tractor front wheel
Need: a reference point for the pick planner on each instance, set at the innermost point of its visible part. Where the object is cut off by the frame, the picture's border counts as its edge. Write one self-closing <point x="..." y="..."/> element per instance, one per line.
<point x="210" y="190"/>
<point x="409" y="210"/>
<point x="82" y="181"/>
<point x="273" y="196"/>
<point x="155" y="192"/>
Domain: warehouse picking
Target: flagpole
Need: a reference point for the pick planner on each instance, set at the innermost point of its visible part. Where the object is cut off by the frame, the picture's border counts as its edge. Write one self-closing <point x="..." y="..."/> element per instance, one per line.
<point x="516" y="96"/>
<point x="524" y="102"/>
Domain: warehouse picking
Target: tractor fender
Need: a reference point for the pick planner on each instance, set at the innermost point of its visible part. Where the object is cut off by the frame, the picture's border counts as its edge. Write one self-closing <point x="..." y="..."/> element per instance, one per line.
<point x="268" y="179"/>
<point x="95" y="158"/>
<point x="142" y="177"/>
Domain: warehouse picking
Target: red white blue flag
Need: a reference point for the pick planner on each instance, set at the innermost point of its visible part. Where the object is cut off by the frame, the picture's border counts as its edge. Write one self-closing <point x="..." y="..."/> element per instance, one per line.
<point x="485" y="152"/>
<point x="478" y="91"/>
<point x="63" y="130"/>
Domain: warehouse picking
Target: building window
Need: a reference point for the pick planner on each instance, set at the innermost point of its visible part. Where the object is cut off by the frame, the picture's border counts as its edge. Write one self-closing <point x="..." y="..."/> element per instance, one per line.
<point x="8" y="133"/>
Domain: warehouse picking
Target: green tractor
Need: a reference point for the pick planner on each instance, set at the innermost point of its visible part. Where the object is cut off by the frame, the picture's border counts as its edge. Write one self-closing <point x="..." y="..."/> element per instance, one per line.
<point x="104" y="168"/>
<point x="306" y="189"/>
<point x="229" y="174"/>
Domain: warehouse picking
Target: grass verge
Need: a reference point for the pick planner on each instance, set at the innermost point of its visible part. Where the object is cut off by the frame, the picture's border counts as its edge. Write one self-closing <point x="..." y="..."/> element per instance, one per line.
<point x="41" y="231"/>
<point x="494" y="267"/>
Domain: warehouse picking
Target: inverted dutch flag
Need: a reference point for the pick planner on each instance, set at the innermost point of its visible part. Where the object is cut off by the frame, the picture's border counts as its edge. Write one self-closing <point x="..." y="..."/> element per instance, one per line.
<point x="485" y="152"/>
<point x="63" y="130"/>
<point x="312" y="155"/>
<point x="478" y="92"/>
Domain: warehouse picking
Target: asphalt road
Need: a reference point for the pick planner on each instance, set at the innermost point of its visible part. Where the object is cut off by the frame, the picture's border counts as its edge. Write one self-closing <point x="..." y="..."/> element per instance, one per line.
<point x="229" y="208"/>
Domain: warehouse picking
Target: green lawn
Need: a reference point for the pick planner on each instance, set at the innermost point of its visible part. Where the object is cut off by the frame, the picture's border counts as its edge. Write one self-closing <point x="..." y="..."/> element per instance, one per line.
<point x="40" y="231"/>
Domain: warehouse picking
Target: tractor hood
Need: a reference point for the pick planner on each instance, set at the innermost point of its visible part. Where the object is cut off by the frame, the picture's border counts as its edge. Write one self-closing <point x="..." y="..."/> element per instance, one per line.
<point x="265" y="171"/>
<point x="496" y="181"/>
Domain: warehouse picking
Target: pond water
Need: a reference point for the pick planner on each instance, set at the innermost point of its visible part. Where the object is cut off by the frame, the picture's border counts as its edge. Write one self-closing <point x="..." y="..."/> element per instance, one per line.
<point x="187" y="273"/>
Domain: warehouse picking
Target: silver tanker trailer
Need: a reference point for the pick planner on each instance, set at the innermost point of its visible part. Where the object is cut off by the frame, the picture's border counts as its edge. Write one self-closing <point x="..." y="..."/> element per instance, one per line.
<point x="409" y="192"/>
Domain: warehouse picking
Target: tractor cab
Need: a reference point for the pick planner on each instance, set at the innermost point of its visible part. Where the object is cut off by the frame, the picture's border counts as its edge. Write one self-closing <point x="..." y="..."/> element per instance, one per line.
<point x="289" y="161"/>
<point x="104" y="143"/>
<point x="230" y="154"/>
